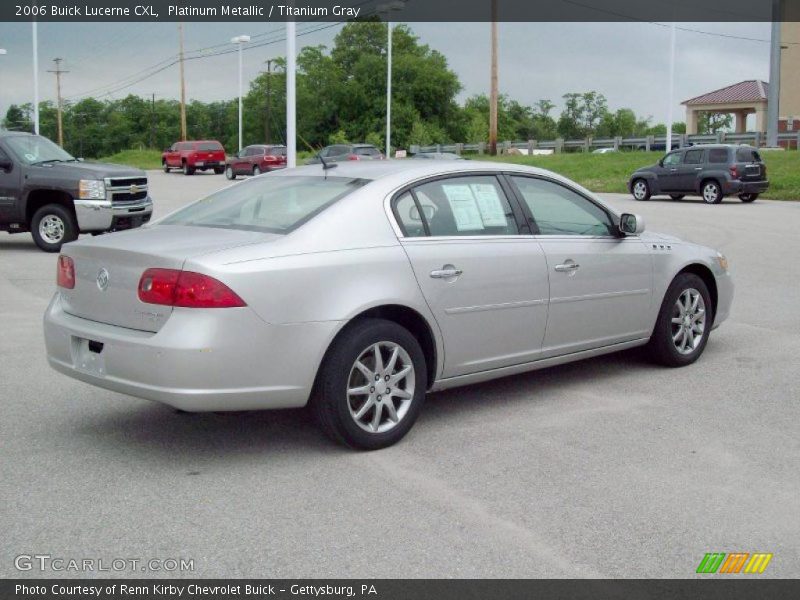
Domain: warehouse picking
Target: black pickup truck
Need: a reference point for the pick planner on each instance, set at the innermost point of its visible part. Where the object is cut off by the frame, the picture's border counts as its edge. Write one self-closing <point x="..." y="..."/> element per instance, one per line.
<point x="55" y="196"/>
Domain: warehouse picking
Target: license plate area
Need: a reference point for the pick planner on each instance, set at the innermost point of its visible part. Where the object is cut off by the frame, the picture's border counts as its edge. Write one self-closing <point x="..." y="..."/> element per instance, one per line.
<point x="200" y="163"/>
<point x="87" y="356"/>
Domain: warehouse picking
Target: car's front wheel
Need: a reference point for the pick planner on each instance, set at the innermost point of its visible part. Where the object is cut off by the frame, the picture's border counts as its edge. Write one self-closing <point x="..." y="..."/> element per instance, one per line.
<point x="684" y="322"/>
<point x="256" y="171"/>
<point x="712" y="193"/>
<point x="229" y="173"/>
<point x="748" y="197"/>
<point x="641" y="189"/>
<point x="165" y="166"/>
<point x="371" y="385"/>
<point x="53" y="226"/>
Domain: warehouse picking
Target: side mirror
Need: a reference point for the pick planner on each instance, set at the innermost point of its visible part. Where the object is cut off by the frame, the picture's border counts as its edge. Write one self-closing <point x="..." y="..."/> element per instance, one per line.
<point x="661" y="162"/>
<point x="631" y="224"/>
<point x="6" y="165"/>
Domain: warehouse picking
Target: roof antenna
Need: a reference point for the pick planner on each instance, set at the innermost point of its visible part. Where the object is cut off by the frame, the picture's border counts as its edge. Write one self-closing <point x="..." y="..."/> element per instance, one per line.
<point x="326" y="165"/>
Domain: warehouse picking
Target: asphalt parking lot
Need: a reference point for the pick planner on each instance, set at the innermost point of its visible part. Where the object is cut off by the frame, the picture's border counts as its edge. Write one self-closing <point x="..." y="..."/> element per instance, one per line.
<point x="610" y="467"/>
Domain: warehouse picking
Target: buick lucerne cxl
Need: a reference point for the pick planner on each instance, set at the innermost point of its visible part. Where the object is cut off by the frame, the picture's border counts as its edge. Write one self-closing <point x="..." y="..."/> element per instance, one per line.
<point x="360" y="288"/>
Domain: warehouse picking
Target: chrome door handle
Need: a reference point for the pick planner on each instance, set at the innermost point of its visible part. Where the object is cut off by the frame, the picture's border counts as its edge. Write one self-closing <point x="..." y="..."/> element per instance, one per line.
<point x="698" y="168"/>
<point x="567" y="267"/>
<point x="446" y="273"/>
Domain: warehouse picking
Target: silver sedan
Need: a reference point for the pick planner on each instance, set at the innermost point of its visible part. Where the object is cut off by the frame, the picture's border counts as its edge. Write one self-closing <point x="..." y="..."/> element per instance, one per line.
<point x="359" y="289"/>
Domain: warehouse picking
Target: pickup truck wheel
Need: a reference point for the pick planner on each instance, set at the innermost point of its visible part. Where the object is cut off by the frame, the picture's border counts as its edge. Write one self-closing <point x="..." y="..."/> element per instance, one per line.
<point x="165" y="167"/>
<point x="187" y="170"/>
<point x="219" y="170"/>
<point x="52" y="226"/>
<point x="229" y="173"/>
<point x="683" y="323"/>
<point x="371" y="385"/>
<point x="641" y="189"/>
<point x="748" y="197"/>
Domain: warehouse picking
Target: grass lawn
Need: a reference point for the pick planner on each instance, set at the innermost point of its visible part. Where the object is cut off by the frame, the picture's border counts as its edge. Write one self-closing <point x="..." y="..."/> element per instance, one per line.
<point x="610" y="172"/>
<point x="141" y="159"/>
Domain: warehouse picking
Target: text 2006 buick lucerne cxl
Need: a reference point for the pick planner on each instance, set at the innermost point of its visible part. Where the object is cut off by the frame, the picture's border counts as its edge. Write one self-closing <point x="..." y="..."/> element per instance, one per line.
<point x="359" y="289"/>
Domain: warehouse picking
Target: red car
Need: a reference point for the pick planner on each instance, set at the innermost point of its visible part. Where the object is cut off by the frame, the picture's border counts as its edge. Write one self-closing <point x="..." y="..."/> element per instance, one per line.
<point x="256" y="159"/>
<point x="199" y="155"/>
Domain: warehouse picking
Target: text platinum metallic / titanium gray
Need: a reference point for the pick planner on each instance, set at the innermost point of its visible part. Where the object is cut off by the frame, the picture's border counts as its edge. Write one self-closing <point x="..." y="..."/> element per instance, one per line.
<point x="378" y="281"/>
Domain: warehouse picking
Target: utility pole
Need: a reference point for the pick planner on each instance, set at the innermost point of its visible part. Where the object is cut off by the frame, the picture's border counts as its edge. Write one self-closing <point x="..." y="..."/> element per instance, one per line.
<point x="183" y="84"/>
<point x="493" y="94"/>
<point x="268" y="116"/>
<point x="58" y="72"/>
<point x="291" y="106"/>
<point x="773" y="101"/>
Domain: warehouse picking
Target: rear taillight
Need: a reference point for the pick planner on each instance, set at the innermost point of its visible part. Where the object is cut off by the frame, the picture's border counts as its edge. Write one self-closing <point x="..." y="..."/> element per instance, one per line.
<point x="353" y="157"/>
<point x="186" y="289"/>
<point x="734" y="172"/>
<point x="65" y="276"/>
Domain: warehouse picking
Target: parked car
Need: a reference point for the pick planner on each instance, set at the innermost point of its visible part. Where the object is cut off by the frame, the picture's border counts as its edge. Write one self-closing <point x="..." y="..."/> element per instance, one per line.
<point x="256" y="159"/>
<point x="605" y="151"/>
<point x="711" y="171"/>
<point x="438" y="156"/>
<point x="344" y="152"/>
<point x="359" y="289"/>
<point x="189" y="157"/>
<point x="55" y="196"/>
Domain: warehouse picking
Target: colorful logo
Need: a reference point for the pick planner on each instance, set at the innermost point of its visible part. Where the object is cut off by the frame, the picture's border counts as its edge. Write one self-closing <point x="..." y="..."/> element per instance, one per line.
<point x="734" y="562"/>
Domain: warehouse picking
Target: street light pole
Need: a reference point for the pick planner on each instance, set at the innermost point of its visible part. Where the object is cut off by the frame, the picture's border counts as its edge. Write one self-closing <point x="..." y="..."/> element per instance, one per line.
<point x="3" y="52"/>
<point x="774" y="91"/>
<point x="35" y="37"/>
<point x="291" y="108"/>
<point x="671" y="98"/>
<point x="389" y="92"/>
<point x="240" y="40"/>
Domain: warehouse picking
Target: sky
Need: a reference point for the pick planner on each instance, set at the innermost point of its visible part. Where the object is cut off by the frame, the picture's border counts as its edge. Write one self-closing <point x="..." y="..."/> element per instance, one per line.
<point x="626" y="62"/>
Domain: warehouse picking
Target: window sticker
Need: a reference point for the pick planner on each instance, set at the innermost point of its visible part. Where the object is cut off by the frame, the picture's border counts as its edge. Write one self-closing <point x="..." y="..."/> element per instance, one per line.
<point x="464" y="207"/>
<point x="492" y="212"/>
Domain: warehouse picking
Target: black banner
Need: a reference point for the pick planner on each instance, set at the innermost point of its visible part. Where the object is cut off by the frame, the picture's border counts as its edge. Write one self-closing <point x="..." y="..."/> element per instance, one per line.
<point x="397" y="589"/>
<point x="402" y="10"/>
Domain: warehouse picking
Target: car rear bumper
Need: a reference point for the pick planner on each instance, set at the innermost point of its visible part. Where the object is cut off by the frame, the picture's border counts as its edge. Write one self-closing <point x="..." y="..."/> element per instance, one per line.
<point x="104" y="215"/>
<point x="200" y="360"/>
<point x="745" y="187"/>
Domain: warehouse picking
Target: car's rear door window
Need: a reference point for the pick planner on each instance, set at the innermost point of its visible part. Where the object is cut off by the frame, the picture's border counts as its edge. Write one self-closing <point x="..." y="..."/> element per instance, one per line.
<point x="558" y="210"/>
<point x="458" y="206"/>
<point x="266" y="204"/>
<point x="694" y="157"/>
<point x="718" y="156"/>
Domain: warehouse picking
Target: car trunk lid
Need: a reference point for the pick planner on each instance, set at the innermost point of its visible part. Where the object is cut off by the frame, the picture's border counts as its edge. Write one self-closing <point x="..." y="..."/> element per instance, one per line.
<point x="108" y="269"/>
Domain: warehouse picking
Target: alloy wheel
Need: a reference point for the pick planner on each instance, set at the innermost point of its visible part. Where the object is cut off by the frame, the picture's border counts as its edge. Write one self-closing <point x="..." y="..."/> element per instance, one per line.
<point x="711" y="193"/>
<point x="640" y="190"/>
<point x="688" y="321"/>
<point x="380" y="387"/>
<point x="51" y="229"/>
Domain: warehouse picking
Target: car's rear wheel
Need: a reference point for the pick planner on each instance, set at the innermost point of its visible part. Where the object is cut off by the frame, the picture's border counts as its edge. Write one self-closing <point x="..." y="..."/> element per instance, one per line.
<point x="641" y="189"/>
<point x="53" y="226"/>
<point x="229" y="173"/>
<point x="677" y="196"/>
<point x="684" y="322"/>
<point x="712" y="193"/>
<point x="187" y="170"/>
<point x="748" y="197"/>
<point x="256" y="171"/>
<point x="371" y="385"/>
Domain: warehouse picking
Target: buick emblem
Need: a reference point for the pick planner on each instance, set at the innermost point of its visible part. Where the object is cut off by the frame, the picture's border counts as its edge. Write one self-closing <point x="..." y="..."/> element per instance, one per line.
<point x="102" y="279"/>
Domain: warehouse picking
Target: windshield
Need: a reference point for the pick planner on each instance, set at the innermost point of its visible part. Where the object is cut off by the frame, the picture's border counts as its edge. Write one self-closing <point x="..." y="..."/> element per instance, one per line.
<point x="33" y="149"/>
<point x="266" y="204"/>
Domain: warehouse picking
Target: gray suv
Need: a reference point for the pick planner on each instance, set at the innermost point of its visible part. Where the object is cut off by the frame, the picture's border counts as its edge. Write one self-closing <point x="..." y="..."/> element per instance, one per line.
<point x="711" y="171"/>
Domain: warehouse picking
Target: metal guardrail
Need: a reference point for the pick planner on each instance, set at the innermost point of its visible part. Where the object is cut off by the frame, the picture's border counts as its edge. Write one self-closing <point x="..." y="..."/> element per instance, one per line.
<point x="789" y="140"/>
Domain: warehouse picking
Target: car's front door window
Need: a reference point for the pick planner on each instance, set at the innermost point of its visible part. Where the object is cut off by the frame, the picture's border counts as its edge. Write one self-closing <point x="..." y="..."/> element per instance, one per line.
<point x="670" y="160"/>
<point x="557" y="210"/>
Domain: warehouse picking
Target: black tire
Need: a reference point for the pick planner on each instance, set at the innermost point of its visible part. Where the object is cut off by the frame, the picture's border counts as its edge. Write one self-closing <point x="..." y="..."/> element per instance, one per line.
<point x="230" y="173"/>
<point x="677" y="196"/>
<point x="748" y="197"/>
<point x="662" y="345"/>
<point x="187" y="170"/>
<point x="256" y="171"/>
<point x="640" y="189"/>
<point x="330" y="401"/>
<point x="219" y="170"/>
<point x="164" y="166"/>
<point x="61" y="218"/>
<point x="711" y="192"/>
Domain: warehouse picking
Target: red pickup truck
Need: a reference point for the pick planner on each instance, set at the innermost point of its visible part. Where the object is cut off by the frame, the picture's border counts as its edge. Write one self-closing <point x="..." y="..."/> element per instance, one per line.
<point x="198" y="155"/>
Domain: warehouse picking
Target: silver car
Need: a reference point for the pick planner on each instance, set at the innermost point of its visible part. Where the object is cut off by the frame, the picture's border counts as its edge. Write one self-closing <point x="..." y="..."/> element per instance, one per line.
<point x="359" y="289"/>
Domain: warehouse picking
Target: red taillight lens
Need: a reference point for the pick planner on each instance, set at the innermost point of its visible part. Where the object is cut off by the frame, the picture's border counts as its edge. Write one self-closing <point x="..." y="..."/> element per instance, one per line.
<point x="65" y="276"/>
<point x="734" y="172"/>
<point x="171" y="287"/>
<point x="352" y="157"/>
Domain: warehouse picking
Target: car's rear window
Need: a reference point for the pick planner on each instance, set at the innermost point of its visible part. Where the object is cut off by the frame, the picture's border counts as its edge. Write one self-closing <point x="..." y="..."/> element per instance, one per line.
<point x="276" y="151"/>
<point x="747" y="155"/>
<point x="266" y="204"/>
<point x="367" y="151"/>
<point x="209" y="146"/>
